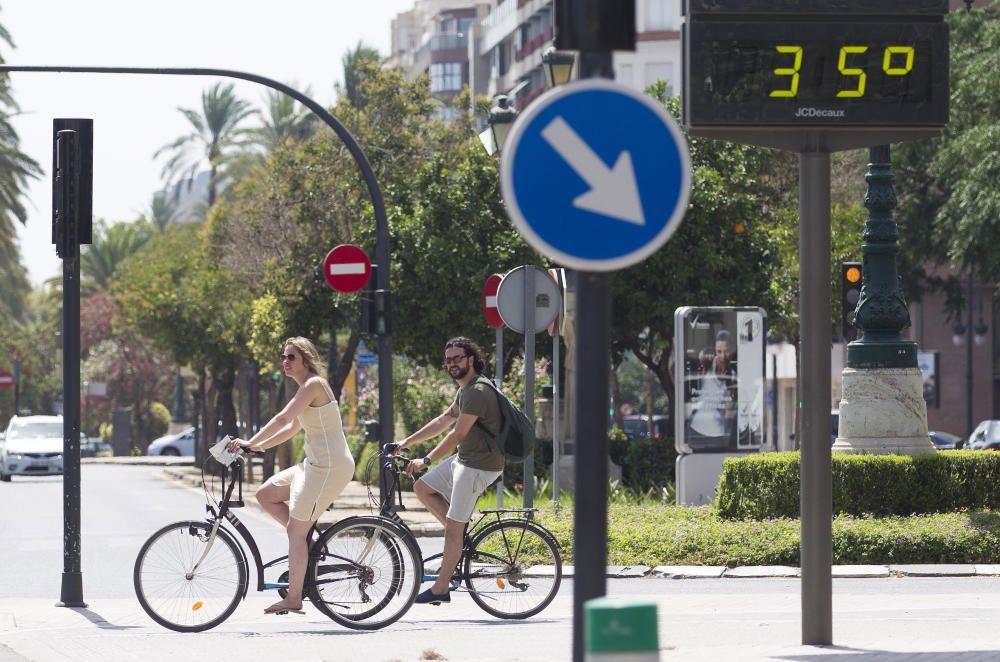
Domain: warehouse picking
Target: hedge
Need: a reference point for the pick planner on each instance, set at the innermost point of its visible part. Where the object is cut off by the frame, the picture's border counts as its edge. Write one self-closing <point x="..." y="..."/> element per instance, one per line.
<point x="657" y="534"/>
<point x="766" y="486"/>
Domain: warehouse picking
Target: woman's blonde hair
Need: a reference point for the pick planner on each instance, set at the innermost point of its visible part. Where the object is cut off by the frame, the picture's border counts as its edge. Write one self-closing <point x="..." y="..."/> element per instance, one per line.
<point x="310" y="357"/>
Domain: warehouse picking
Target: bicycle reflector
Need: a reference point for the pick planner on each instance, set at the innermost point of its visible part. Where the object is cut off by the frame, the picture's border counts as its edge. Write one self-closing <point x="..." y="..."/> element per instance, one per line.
<point x="196" y="606"/>
<point x="499" y="582"/>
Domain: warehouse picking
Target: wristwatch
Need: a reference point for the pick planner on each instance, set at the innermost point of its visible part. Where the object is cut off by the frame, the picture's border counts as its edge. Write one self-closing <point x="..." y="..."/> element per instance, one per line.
<point x="427" y="460"/>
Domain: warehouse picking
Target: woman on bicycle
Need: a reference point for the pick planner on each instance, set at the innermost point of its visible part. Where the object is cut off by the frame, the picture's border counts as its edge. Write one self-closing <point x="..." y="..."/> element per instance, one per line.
<point x="297" y="496"/>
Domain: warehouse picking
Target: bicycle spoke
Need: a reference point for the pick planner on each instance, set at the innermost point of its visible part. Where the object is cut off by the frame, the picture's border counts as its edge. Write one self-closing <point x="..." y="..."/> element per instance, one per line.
<point x="499" y="570"/>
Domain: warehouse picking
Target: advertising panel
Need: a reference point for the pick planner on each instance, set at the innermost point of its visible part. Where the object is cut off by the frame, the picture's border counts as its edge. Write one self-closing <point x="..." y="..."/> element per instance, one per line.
<point x="719" y="379"/>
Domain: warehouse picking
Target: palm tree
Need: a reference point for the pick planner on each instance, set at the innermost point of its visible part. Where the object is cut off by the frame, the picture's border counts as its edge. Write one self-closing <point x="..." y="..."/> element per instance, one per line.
<point x="355" y="62"/>
<point x="162" y="212"/>
<point x="112" y="244"/>
<point x="285" y="119"/>
<point x="215" y="138"/>
<point x="16" y="168"/>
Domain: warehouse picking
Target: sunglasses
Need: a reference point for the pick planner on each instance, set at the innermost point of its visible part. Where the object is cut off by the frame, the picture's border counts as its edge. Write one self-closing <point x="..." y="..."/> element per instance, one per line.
<point x="288" y="357"/>
<point x="448" y="360"/>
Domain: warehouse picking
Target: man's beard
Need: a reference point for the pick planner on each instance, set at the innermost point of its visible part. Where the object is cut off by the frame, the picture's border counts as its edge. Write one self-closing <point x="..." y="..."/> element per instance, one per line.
<point x="462" y="372"/>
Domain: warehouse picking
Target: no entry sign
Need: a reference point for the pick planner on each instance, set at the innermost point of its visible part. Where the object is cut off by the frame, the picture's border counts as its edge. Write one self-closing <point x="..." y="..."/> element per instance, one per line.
<point x="490" y="301"/>
<point x="347" y="268"/>
<point x="6" y="380"/>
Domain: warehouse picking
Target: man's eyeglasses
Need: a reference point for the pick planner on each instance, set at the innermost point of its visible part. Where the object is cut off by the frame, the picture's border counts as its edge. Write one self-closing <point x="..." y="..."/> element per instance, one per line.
<point x="448" y="360"/>
<point x="288" y="357"/>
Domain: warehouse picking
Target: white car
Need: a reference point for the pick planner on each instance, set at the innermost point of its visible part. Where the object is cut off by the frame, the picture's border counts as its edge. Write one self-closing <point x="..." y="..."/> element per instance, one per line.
<point x="32" y="446"/>
<point x="181" y="443"/>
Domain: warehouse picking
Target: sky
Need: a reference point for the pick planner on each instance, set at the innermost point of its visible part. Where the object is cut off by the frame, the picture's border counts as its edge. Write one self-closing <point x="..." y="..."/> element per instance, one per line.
<point x="292" y="41"/>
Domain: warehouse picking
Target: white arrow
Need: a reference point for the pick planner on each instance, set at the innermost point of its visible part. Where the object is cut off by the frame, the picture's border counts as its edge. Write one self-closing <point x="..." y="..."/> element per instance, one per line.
<point x="613" y="191"/>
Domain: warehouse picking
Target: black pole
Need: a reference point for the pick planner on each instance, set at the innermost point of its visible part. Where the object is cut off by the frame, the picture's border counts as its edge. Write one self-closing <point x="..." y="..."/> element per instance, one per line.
<point x="816" y="497"/>
<point x="374" y="191"/>
<point x="968" y="362"/>
<point x="590" y="515"/>
<point x="68" y="207"/>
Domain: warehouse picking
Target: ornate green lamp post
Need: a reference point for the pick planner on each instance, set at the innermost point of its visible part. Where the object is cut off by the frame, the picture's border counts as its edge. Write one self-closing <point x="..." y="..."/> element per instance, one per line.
<point x="881" y="313"/>
<point x="883" y="410"/>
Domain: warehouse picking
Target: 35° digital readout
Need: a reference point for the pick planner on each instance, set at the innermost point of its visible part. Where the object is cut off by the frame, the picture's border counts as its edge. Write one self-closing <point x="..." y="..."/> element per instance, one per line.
<point x="820" y="73"/>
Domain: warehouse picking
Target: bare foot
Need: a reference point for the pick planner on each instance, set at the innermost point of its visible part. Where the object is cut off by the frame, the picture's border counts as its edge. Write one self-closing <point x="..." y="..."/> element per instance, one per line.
<point x="285" y="606"/>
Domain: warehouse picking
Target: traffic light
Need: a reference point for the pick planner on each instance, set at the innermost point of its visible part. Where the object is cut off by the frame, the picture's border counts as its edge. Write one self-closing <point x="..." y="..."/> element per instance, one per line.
<point x="850" y="294"/>
<point x="375" y="309"/>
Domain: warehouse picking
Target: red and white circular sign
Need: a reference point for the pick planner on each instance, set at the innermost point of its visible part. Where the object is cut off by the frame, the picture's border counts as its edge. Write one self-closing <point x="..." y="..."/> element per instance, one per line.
<point x="490" y="301"/>
<point x="347" y="268"/>
<point x="6" y="380"/>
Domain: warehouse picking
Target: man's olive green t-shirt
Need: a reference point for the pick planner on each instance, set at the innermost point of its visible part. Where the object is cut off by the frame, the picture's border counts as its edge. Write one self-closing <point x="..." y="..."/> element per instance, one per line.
<point x="479" y="449"/>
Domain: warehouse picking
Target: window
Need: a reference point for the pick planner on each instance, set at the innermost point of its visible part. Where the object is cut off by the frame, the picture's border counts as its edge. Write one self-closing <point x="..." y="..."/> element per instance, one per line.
<point x="446" y="77"/>
<point x="658" y="15"/>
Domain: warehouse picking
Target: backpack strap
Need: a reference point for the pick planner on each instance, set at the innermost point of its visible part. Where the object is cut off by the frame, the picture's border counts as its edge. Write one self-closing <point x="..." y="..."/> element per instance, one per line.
<point x="483" y="380"/>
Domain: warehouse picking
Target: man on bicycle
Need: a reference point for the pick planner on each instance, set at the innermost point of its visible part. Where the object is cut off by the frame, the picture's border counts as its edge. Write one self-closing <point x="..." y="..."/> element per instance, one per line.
<point x="450" y="490"/>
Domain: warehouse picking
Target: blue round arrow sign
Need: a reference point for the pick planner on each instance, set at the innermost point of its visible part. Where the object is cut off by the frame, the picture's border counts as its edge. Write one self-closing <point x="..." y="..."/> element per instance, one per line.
<point x="596" y="176"/>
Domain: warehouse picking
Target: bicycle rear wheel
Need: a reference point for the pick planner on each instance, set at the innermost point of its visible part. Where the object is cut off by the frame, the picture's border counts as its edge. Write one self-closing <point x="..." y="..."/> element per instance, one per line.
<point x="179" y="596"/>
<point x="513" y="570"/>
<point x="364" y="572"/>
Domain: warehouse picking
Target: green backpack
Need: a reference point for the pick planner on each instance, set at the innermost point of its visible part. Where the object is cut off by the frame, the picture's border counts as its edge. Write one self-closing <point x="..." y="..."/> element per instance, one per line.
<point x="517" y="435"/>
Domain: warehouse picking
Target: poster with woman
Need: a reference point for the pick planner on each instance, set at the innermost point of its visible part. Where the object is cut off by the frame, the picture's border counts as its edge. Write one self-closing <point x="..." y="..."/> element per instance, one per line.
<point x="719" y="379"/>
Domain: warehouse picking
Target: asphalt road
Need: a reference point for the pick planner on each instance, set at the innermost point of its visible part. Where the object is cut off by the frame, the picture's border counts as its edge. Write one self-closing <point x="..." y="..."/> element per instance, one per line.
<point x="895" y="619"/>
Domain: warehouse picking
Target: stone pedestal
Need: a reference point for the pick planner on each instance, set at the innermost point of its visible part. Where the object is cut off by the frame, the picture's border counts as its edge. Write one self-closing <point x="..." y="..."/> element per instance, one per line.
<point x="882" y="412"/>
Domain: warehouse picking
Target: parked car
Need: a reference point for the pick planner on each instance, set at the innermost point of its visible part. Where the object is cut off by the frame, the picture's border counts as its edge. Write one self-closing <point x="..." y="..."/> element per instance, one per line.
<point x="945" y="441"/>
<point x="181" y="443"/>
<point x="986" y="436"/>
<point x="95" y="448"/>
<point x="32" y="446"/>
<point x="636" y="426"/>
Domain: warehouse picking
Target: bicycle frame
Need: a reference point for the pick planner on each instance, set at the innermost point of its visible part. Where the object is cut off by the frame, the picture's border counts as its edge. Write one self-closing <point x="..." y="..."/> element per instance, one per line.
<point x="223" y="510"/>
<point x="393" y="504"/>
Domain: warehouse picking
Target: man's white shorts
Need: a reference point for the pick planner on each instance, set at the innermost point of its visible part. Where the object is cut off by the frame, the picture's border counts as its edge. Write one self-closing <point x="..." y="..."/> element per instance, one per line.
<point x="459" y="485"/>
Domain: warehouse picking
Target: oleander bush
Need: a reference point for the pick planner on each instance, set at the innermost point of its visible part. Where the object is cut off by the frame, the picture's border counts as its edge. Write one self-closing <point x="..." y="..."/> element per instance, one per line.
<point x="656" y="534"/>
<point x="766" y="485"/>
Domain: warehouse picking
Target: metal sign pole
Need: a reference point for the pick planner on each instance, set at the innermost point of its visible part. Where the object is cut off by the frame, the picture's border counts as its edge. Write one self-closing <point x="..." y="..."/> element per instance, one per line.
<point x="498" y="380"/>
<point x="528" y="478"/>
<point x="817" y="483"/>
<point x="555" y="414"/>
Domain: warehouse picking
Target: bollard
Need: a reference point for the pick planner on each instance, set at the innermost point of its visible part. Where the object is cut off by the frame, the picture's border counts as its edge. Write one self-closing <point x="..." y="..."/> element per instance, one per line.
<point x="620" y="630"/>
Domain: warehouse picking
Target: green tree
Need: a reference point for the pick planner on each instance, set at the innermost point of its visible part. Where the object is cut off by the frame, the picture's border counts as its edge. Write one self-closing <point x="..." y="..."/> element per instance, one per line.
<point x="176" y="294"/>
<point x="112" y="245"/>
<point x="949" y="205"/>
<point x="162" y="212"/>
<point x="284" y="119"/>
<point x="215" y="139"/>
<point x="16" y="169"/>
<point x="358" y="64"/>
<point x="720" y="255"/>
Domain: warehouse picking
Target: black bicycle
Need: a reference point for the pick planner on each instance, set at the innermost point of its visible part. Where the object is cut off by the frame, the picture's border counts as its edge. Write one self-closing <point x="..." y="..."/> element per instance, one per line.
<point x="510" y="564"/>
<point x="363" y="572"/>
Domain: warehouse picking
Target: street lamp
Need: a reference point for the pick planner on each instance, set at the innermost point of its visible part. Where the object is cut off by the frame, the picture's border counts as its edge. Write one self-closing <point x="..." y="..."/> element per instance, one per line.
<point x="500" y="119"/>
<point x="962" y="335"/>
<point x="558" y="66"/>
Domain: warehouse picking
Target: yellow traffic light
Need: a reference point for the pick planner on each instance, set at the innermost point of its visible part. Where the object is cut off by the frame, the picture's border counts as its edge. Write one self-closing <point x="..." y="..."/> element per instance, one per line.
<point x="852" y="274"/>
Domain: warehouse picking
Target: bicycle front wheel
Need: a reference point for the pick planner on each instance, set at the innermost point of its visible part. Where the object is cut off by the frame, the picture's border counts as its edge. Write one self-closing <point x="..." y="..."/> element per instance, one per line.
<point x="185" y="583"/>
<point x="364" y="572"/>
<point x="513" y="570"/>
